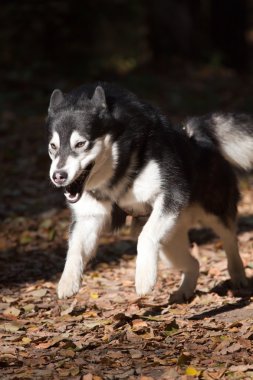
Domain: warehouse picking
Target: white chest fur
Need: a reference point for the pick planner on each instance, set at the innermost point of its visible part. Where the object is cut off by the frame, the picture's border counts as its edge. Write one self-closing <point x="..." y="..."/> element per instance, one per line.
<point x="144" y="190"/>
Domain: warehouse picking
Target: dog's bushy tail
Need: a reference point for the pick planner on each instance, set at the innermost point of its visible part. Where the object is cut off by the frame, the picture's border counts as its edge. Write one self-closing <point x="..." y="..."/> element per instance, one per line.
<point x="231" y="134"/>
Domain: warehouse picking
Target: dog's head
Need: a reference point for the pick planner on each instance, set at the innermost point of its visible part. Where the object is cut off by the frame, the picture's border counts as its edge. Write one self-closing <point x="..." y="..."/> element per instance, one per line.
<point x="80" y="146"/>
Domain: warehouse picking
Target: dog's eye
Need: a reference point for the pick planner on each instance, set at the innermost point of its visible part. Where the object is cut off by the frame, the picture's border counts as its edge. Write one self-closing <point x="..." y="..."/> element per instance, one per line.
<point x="80" y="144"/>
<point x="53" y="146"/>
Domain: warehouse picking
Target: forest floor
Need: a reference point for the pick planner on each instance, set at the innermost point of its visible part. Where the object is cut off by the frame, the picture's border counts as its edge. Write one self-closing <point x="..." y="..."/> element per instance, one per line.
<point x="106" y="331"/>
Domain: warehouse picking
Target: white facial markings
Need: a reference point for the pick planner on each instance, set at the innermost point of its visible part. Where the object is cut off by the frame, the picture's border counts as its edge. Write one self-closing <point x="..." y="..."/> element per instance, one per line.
<point x="55" y="141"/>
<point x="72" y="167"/>
<point x="75" y="138"/>
<point x="54" y="145"/>
<point x="100" y="154"/>
<point x="53" y="168"/>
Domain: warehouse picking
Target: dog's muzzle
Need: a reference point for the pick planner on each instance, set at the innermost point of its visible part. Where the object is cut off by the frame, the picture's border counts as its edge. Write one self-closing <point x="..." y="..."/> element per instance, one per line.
<point x="74" y="190"/>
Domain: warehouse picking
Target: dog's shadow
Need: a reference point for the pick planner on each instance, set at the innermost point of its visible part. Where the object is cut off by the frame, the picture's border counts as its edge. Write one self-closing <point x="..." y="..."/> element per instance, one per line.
<point x="223" y="289"/>
<point x="18" y="268"/>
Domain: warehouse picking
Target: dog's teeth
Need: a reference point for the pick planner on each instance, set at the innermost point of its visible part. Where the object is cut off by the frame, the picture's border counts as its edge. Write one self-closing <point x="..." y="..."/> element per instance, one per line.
<point x="70" y="197"/>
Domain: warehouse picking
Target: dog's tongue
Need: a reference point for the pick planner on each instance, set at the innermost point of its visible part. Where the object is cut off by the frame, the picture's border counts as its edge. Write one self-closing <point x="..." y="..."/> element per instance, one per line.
<point x="72" y="198"/>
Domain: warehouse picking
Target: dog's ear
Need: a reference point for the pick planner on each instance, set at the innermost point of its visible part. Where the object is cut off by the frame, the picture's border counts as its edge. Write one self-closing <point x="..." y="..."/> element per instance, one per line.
<point x="56" y="98"/>
<point x="98" y="98"/>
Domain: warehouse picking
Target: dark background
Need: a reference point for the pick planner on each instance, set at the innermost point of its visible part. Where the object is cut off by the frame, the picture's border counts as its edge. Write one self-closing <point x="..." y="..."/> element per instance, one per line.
<point x="187" y="57"/>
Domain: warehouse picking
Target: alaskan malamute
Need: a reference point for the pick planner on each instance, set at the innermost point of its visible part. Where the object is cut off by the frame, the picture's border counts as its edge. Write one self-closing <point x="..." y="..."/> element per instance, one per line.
<point x="114" y="155"/>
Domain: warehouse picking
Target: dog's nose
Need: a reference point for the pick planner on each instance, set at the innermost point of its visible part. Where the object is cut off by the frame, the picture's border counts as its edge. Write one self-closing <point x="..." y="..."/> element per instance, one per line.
<point x="60" y="176"/>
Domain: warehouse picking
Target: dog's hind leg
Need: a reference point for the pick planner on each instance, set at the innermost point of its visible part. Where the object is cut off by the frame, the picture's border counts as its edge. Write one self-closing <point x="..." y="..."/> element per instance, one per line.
<point x="83" y="240"/>
<point x="175" y="253"/>
<point x="230" y="245"/>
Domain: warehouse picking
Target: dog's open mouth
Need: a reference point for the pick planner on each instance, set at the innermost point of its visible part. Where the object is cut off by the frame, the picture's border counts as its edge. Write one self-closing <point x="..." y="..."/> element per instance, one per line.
<point x="73" y="191"/>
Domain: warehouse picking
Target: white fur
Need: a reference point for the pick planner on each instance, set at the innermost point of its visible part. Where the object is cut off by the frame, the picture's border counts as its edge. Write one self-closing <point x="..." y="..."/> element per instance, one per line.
<point x="56" y="141"/>
<point x="101" y="154"/>
<point x="240" y="152"/>
<point x="53" y="168"/>
<point x="75" y="138"/>
<point x="145" y="188"/>
<point x="73" y="168"/>
<point x="157" y="228"/>
<point x="118" y="191"/>
<point x="164" y="232"/>
<point x="175" y="251"/>
<point x="236" y="145"/>
<point x="103" y="168"/>
<point x="91" y="217"/>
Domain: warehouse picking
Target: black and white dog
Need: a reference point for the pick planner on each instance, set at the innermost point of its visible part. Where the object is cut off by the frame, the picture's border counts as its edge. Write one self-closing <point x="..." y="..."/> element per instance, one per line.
<point x="115" y="155"/>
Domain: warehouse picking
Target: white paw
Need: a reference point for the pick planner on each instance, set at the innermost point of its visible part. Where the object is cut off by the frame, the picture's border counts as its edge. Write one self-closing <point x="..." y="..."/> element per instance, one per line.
<point x="145" y="280"/>
<point x="68" y="286"/>
<point x="181" y="296"/>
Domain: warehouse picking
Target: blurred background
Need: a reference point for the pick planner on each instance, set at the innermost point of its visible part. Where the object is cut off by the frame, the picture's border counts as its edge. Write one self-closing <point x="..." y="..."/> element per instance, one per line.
<point x="187" y="56"/>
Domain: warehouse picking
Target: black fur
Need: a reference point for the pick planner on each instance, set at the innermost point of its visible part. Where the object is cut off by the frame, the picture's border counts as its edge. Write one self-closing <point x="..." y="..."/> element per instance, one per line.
<point x="192" y="165"/>
<point x="193" y="169"/>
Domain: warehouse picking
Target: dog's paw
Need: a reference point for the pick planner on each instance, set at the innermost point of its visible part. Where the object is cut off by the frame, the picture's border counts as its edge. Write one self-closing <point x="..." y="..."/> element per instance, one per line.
<point x="239" y="281"/>
<point x="68" y="286"/>
<point x="181" y="296"/>
<point x="144" y="282"/>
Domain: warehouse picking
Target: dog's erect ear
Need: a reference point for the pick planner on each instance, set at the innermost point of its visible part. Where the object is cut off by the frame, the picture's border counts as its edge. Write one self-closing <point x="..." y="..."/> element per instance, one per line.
<point x="98" y="98"/>
<point x="56" y="98"/>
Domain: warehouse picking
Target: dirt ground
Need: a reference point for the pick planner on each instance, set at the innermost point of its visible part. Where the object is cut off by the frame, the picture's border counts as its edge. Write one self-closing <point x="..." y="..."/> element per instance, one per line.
<point x="106" y="331"/>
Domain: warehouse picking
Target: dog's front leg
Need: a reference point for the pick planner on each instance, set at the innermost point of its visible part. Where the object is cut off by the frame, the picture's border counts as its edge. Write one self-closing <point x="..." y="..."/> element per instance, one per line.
<point x="159" y="225"/>
<point x="83" y="240"/>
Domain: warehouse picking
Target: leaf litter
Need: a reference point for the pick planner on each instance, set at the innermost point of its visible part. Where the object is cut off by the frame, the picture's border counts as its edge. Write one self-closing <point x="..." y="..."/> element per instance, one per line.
<point x="106" y="331"/>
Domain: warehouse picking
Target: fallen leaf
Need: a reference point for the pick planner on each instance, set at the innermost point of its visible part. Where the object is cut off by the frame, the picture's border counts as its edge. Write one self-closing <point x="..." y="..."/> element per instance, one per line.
<point x="139" y="325"/>
<point x="12" y="311"/>
<point x="136" y="354"/>
<point x="26" y="340"/>
<point x="241" y="368"/>
<point x="11" y="326"/>
<point x="39" y="293"/>
<point x="191" y="371"/>
<point x="70" y="308"/>
<point x="67" y="353"/>
<point x="52" y="342"/>
<point x="94" y="296"/>
<point x="87" y="377"/>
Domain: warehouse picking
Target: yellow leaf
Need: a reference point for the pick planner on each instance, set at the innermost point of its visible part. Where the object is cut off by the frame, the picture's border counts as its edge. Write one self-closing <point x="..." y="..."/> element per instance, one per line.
<point x="94" y="296"/>
<point x="26" y="340"/>
<point x="25" y="238"/>
<point x="191" y="371"/>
